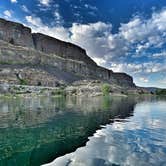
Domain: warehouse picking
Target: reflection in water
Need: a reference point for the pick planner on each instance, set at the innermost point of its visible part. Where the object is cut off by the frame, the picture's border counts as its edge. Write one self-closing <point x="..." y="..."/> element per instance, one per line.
<point x="36" y="130"/>
<point x="139" y="140"/>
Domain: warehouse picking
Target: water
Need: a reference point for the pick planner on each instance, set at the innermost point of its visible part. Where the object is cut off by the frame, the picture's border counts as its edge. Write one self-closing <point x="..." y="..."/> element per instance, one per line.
<point x="99" y="131"/>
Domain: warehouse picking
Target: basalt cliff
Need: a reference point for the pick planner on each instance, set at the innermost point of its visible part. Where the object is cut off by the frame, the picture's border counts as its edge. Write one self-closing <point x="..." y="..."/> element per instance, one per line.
<point x="37" y="59"/>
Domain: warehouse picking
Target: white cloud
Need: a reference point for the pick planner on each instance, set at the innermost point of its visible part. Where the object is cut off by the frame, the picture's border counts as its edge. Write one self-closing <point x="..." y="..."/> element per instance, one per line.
<point x="25" y="9"/>
<point x="88" y="6"/>
<point x="38" y="26"/>
<point x="139" y="68"/>
<point x="162" y="81"/>
<point x="159" y="55"/>
<point x="143" y="79"/>
<point x="92" y="37"/>
<point x="7" y="14"/>
<point x="57" y="16"/>
<point x="116" y="51"/>
<point x="34" y="21"/>
<point x="127" y="67"/>
<point x="45" y="2"/>
<point x="133" y="38"/>
<point x="99" y="61"/>
<point x="13" y="1"/>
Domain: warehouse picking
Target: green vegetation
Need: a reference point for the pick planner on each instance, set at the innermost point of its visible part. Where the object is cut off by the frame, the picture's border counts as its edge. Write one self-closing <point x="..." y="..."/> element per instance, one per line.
<point x="161" y="92"/>
<point x="23" y="82"/>
<point x="59" y="91"/>
<point x="106" y="88"/>
<point x="6" y="62"/>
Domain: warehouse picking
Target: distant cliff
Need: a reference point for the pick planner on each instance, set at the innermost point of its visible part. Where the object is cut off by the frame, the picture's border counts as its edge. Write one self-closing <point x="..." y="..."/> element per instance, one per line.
<point x="37" y="59"/>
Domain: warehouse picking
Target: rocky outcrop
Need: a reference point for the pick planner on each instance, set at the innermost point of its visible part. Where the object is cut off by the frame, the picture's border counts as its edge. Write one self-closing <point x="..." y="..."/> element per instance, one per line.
<point x="27" y="76"/>
<point x="15" y="33"/>
<point x="18" y="46"/>
<point x="66" y="50"/>
<point x="123" y="79"/>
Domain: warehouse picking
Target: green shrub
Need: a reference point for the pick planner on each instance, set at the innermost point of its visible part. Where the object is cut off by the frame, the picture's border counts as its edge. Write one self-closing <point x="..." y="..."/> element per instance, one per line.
<point x="106" y="89"/>
<point x="23" y="82"/>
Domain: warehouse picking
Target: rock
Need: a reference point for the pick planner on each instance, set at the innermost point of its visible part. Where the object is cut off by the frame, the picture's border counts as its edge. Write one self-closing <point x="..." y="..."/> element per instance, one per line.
<point x="15" y="33"/>
<point x="124" y="80"/>
<point x="50" y="57"/>
<point x="4" y="88"/>
<point x="63" y="49"/>
<point x="85" y="87"/>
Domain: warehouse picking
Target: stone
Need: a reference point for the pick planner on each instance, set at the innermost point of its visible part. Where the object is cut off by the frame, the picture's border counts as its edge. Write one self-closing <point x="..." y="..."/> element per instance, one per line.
<point x="4" y="88"/>
<point x="36" y="53"/>
<point x="15" y="33"/>
<point x="63" y="49"/>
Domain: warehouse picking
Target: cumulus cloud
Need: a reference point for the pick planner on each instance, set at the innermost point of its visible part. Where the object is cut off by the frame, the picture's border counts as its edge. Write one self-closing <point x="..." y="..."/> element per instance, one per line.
<point x="122" y="51"/>
<point x="143" y="79"/>
<point x="13" y="1"/>
<point x="45" y="2"/>
<point x="92" y="37"/>
<point x="88" y="6"/>
<point x="25" y="9"/>
<point x="57" y="16"/>
<point x="159" y="54"/>
<point x="7" y="14"/>
<point x="133" y="38"/>
<point x="139" y="68"/>
<point x="38" y="26"/>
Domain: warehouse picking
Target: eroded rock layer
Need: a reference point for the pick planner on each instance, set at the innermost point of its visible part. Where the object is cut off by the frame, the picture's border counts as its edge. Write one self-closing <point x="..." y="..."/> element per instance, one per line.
<point x="47" y="58"/>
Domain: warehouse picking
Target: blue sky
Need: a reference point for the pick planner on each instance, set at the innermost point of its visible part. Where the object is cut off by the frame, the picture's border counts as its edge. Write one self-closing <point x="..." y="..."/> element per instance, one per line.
<point x="123" y="35"/>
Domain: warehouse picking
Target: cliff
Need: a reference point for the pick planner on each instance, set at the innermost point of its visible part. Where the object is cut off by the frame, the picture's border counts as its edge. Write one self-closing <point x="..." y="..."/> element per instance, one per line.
<point x="38" y="59"/>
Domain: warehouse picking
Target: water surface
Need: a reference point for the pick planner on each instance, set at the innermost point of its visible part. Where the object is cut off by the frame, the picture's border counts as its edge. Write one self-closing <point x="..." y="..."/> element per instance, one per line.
<point x="138" y="140"/>
<point x="82" y="131"/>
<point x="36" y="130"/>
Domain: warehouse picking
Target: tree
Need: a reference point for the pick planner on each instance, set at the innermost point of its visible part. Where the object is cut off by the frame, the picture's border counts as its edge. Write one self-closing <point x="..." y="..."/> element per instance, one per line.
<point x="106" y="89"/>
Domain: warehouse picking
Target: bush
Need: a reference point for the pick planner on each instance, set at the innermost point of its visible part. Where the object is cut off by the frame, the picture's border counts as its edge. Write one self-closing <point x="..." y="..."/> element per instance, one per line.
<point x="23" y="82"/>
<point x="106" y="89"/>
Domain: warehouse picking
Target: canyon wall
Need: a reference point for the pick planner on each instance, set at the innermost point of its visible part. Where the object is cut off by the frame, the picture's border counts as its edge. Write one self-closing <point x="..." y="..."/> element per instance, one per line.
<point x="15" y="33"/>
<point x="18" y="46"/>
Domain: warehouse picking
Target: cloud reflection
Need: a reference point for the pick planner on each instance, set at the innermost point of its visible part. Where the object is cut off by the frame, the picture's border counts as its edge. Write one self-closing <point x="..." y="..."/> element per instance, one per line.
<point x="141" y="140"/>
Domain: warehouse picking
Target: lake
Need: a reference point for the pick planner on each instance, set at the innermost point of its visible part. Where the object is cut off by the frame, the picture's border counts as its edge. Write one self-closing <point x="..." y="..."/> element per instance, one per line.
<point x="82" y="131"/>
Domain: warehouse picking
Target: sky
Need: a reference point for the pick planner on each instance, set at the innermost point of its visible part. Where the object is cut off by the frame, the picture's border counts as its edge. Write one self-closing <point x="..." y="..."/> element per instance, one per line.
<point x="123" y="35"/>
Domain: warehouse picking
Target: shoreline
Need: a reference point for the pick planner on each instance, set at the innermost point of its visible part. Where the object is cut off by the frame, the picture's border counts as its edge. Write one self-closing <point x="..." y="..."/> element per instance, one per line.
<point x="90" y="88"/>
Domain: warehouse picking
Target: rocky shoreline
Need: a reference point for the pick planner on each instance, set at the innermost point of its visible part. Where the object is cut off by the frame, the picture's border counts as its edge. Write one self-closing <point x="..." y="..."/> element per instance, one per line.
<point x="78" y="88"/>
<point x="33" y="63"/>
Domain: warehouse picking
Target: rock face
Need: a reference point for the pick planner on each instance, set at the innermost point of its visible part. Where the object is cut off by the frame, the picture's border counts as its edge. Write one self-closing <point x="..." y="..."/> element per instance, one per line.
<point x="15" y="33"/>
<point x="51" y="57"/>
<point x="66" y="50"/>
<point x="123" y="79"/>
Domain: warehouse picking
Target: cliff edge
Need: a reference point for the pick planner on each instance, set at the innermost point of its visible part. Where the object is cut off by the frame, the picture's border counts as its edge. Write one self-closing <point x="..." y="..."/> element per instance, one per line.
<point x="38" y="59"/>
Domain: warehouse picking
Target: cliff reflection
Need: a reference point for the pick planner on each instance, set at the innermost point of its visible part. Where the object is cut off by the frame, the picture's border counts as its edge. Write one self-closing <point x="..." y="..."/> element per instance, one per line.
<point x="34" y="130"/>
<point x="139" y="140"/>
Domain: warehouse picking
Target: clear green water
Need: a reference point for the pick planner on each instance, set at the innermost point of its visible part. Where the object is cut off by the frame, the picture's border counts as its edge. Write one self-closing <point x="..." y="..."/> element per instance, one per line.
<point x="137" y="140"/>
<point x="37" y="130"/>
